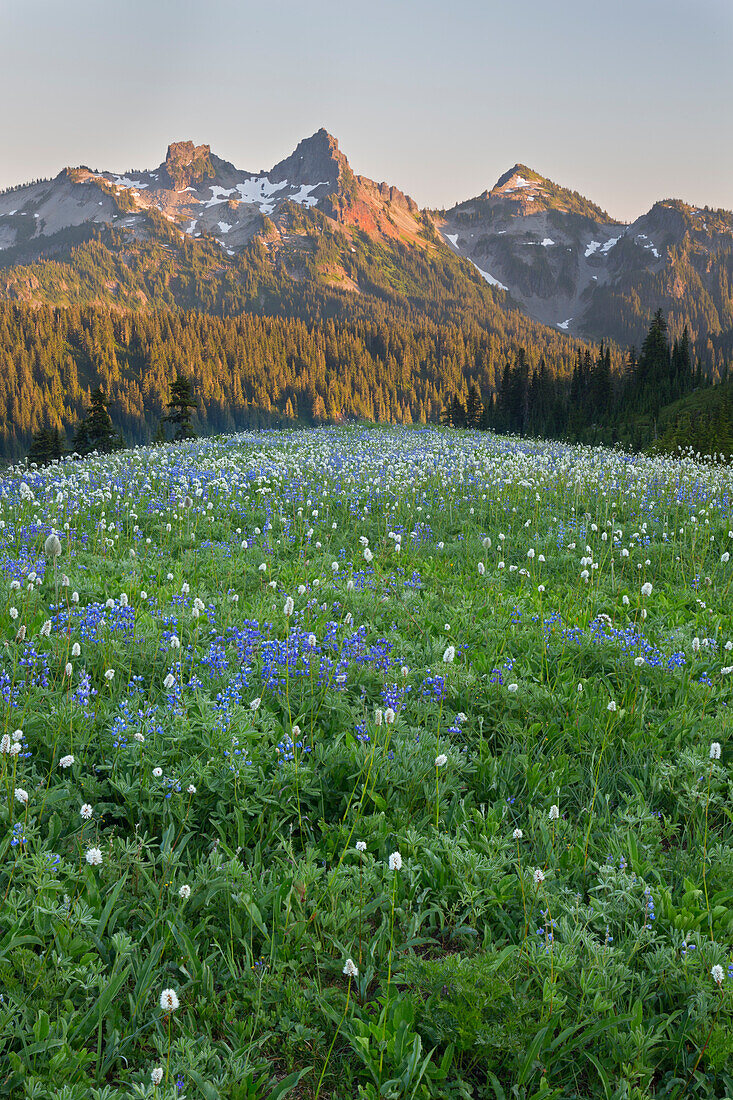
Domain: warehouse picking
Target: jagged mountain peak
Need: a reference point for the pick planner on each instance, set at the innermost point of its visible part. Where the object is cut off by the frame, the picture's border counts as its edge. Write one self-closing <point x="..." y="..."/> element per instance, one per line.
<point x="520" y="176"/>
<point x="186" y="164"/>
<point x="315" y="159"/>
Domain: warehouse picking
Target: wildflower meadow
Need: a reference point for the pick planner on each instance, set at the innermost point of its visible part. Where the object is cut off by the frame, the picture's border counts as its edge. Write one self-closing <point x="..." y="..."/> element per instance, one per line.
<point x="366" y="762"/>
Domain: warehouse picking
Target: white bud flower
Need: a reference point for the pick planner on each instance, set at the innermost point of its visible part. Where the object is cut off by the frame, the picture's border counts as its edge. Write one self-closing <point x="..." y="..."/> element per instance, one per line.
<point x="52" y="547"/>
<point x="351" y="970"/>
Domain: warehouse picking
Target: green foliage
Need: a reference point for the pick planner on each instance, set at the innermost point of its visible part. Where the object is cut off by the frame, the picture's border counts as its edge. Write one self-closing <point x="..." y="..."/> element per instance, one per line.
<point x="241" y="748"/>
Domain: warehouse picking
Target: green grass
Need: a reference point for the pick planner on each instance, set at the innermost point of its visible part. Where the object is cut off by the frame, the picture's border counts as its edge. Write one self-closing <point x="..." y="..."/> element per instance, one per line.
<point x="517" y="951"/>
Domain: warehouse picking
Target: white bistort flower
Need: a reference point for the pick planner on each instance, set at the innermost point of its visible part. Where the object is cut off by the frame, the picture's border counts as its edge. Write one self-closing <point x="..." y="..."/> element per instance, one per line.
<point x="169" y="1000"/>
<point x="538" y="876"/>
<point x="360" y="846"/>
<point x="449" y="655"/>
<point x="554" y="813"/>
<point x="715" y="750"/>
<point x="185" y="891"/>
<point x="351" y="970"/>
<point x="441" y="760"/>
<point x="395" y="862"/>
<point x="94" y="857"/>
<point x="717" y="973"/>
<point x="21" y="796"/>
<point x="156" y="1075"/>
<point x="86" y="811"/>
<point x="646" y="589"/>
<point x="517" y="834"/>
<point x="66" y="761"/>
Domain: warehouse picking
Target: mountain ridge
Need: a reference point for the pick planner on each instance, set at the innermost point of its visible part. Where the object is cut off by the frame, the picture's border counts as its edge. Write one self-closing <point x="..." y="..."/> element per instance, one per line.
<point x="561" y="258"/>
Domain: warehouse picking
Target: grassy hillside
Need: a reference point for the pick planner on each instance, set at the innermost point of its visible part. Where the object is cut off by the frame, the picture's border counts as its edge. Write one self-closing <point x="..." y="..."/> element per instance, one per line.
<point x="366" y="763"/>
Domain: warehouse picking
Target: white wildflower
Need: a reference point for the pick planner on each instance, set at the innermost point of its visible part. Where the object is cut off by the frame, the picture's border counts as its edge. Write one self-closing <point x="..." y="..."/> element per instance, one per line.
<point x="169" y="1000"/>
<point x="94" y="857"/>
<point x="395" y="862"/>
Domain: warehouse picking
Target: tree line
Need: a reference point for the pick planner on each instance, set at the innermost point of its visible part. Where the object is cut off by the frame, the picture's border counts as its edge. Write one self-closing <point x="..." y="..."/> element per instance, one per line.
<point x="639" y="406"/>
<point x="95" y="432"/>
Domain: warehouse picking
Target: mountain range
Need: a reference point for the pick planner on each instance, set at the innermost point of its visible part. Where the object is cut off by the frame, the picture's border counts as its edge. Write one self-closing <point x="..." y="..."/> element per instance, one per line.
<point x="197" y="232"/>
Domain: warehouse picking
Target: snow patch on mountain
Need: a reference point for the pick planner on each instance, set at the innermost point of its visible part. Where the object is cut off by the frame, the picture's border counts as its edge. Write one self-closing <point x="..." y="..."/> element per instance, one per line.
<point x="592" y="247"/>
<point x="564" y="324"/>
<point x="490" y="278"/>
<point x="304" y="196"/>
<point x="125" y="181"/>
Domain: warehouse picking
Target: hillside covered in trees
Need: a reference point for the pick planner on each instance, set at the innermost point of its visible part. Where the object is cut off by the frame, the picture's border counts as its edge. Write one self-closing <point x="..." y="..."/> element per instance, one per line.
<point x="249" y="371"/>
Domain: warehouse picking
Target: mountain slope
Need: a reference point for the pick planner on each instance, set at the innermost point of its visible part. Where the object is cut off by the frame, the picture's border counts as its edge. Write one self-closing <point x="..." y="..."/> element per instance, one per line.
<point x="573" y="266"/>
<point x="198" y="232"/>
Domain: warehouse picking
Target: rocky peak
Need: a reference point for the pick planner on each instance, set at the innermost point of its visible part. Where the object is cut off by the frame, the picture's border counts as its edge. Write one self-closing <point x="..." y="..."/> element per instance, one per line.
<point x="516" y="178"/>
<point x="316" y="159"/>
<point x="187" y="164"/>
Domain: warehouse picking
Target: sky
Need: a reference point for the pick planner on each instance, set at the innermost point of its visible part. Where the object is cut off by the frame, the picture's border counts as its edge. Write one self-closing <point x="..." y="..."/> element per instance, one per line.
<point x="626" y="102"/>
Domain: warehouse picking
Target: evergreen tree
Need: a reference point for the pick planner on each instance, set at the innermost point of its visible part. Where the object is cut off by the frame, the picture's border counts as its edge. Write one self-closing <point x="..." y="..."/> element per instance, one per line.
<point x="182" y="405"/>
<point x="96" y="431"/>
<point x="47" y="446"/>
<point x="474" y="408"/>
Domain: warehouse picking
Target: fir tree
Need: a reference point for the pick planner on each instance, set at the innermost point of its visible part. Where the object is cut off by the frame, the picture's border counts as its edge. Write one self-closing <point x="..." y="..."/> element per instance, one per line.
<point x="96" y="431"/>
<point x="474" y="408"/>
<point x="182" y="405"/>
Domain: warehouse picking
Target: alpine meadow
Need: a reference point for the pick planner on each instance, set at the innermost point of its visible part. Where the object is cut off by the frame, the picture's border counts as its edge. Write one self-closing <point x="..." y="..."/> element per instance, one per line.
<point x="366" y="550"/>
<point x="367" y="762"/>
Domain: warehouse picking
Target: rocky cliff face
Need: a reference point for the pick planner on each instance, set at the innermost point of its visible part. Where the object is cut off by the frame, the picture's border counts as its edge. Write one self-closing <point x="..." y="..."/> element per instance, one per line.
<point x="186" y="164"/>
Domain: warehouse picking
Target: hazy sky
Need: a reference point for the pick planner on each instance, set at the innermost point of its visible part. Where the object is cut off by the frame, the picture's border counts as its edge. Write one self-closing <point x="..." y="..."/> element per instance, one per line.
<point x="627" y="101"/>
